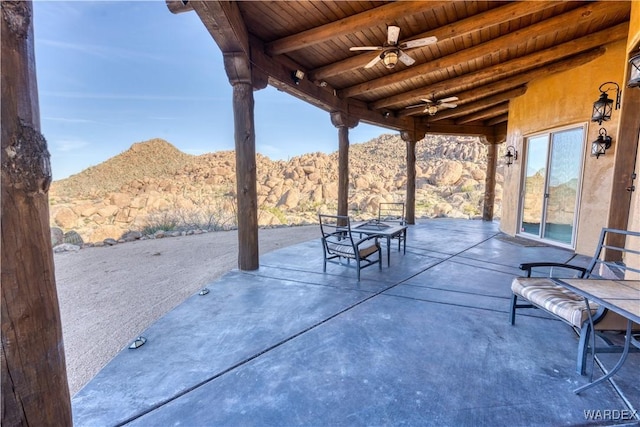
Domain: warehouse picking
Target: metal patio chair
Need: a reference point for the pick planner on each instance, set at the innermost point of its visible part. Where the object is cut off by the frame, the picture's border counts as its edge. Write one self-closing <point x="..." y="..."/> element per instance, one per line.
<point x="540" y="292"/>
<point x="393" y="213"/>
<point x="339" y="243"/>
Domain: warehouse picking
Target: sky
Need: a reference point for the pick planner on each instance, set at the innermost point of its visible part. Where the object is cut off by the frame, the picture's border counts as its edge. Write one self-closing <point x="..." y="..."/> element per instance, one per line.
<point x="113" y="73"/>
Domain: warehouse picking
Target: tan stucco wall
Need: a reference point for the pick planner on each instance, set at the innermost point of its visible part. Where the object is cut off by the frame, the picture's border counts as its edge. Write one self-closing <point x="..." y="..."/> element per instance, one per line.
<point x="559" y="100"/>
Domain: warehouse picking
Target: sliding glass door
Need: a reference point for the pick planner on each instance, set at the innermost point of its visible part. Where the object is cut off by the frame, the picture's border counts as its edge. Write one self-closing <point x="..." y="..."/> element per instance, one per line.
<point x="551" y="182"/>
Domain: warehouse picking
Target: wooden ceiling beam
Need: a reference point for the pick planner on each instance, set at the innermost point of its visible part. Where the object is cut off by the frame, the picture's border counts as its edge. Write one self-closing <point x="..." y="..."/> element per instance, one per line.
<point x="589" y="12"/>
<point x="382" y="14"/>
<point x="426" y="127"/>
<point x="496" y="120"/>
<point x="480" y="104"/>
<point x="280" y="76"/>
<point x="514" y="66"/>
<point x="179" y="6"/>
<point x="523" y="78"/>
<point x="477" y="22"/>
<point x="484" y="114"/>
<point x="225" y="24"/>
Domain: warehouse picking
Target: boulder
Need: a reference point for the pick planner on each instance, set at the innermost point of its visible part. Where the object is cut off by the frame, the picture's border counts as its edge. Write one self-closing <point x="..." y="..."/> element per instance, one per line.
<point x="66" y="218"/>
<point x="66" y="247"/>
<point x="57" y="236"/>
<point x="448" y="173"/>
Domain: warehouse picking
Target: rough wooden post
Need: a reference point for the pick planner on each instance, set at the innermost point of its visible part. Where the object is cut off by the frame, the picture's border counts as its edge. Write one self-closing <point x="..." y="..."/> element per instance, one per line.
<point x="238" y="70"/>
<point x="343" y="123"/>
<point x="34" y="378"/>
<point x="625" y="147"/>
<point x="411" y="139"/>
<point x="490" y="183"/>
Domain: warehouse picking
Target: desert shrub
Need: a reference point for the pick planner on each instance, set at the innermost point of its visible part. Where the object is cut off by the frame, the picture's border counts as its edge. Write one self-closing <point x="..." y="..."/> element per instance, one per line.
<point x="162" y="220"/>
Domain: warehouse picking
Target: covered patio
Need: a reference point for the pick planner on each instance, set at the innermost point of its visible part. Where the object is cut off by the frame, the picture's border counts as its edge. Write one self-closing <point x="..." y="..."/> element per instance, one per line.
<point x="426" y="341"/>
<point x="278" y="342"/>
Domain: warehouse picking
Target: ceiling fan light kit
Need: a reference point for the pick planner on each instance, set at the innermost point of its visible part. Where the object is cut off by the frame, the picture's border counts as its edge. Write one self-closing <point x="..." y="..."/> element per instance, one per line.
<point x="432" y="106"/>
<point x="392" y="50"/>
<point x="390" y="58"/>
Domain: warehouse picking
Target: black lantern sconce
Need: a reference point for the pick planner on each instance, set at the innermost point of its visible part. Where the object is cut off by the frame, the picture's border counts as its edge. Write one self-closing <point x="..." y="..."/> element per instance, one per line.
<point x="634" y="78"/>
<point x="511" y="155"/>
<point x="602" y="144"/>
<point x="602" y="108"/>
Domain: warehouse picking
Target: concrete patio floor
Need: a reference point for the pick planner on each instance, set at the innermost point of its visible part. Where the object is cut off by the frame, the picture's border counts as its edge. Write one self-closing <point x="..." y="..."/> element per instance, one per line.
<point x="423" y="342"/>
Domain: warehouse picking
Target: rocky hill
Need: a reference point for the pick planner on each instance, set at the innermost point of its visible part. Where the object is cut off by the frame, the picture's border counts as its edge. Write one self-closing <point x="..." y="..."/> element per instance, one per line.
<point x="155" y="186"/>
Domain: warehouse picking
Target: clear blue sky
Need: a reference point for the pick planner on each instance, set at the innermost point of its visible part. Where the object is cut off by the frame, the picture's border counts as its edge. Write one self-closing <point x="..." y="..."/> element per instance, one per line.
<point x="114" y="73"/>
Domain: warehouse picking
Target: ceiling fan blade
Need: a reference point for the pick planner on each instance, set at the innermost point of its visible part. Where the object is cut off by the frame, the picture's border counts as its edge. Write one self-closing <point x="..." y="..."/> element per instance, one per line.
<point x="418" y="42"/>
<point x="406" y="59"/>
<point x="392" y="34"/>
<point x="373" y="62"/>
<point x="449" y="99"/>
<point x="415" y="106"/>
<point x="428" y="101"/>
<point x="447" y="105"/>
<point x="356" y="48"/>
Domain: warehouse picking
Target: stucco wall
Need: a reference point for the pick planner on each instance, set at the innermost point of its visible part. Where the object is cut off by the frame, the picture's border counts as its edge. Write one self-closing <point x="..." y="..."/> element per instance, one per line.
<point x="560" y="100"/>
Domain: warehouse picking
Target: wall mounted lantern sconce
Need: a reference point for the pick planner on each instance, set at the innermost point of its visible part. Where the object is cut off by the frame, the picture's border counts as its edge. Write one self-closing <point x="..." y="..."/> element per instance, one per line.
<point x="602" y="108"/>
<point x="386" y="114"/>
<point x="512" y="154"/>
<point x="602" y="144"/>
<point x="297" y="76"/>
<point x="634" y="79"/>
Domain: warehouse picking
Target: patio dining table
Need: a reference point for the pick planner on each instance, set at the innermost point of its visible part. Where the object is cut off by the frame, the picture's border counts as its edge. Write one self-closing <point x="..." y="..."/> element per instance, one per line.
<point x="620" y="296"/>
<point x="388" y="231"/>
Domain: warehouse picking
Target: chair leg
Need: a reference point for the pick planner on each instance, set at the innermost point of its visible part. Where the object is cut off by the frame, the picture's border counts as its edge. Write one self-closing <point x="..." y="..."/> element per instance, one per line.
<point x="512" y="314"/>
<point x="583" y="349"/>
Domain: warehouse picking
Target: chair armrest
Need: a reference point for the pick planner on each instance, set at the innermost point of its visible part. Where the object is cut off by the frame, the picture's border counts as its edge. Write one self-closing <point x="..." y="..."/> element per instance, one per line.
<point x="531" y="265"/>
<point x="369" y="237"/>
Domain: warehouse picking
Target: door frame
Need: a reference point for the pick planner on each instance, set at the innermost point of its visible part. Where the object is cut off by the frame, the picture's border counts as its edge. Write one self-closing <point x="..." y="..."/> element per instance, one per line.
<point x="523" y="172"/>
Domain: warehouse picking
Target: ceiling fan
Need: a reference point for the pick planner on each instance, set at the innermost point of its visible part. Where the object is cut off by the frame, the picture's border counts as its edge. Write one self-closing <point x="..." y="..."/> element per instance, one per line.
<point x="433" y="106"/>
<point x="392" y="51"/>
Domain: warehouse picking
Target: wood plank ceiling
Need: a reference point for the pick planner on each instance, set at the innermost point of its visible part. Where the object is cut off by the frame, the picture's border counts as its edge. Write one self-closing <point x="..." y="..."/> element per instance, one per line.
<point x="486" y="53"/>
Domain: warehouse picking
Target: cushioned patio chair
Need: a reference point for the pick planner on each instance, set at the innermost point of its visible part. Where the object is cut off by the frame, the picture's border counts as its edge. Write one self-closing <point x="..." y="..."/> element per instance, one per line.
<point x="339" y="243"/>
<point x="393" y="213"/>
<point x="540" y="292"/>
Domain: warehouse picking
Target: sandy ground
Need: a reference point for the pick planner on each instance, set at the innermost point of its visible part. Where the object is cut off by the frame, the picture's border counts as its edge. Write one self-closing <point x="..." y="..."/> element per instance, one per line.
<point x="110" y="295"/>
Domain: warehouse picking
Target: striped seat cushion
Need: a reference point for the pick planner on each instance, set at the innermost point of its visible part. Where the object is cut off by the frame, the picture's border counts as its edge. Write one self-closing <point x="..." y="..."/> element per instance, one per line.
<point x="556" y="299"/>
<point x="364" y="249"/>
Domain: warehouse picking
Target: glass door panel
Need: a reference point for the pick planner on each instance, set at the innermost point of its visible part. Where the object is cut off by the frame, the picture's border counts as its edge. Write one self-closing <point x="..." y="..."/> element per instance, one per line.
<point x="553" y="164"/>
<point x="534" y="184"/>
<point x="562" y="188"/>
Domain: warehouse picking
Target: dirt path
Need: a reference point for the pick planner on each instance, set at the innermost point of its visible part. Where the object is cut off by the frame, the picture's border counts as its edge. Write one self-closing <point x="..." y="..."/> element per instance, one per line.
<point x="110" y="295"/>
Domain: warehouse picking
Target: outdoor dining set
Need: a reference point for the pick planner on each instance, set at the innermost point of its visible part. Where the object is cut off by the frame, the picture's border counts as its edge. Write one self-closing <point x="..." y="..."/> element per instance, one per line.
<point x="342" y="241"/>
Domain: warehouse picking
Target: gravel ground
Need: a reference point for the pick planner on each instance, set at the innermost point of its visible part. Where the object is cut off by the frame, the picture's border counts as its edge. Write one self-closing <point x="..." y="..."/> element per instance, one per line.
<point x="110" y="295"/>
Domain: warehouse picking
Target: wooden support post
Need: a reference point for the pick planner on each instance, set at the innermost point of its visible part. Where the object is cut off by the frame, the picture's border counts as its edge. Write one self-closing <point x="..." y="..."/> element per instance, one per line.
<point x="238" y="70"/>
<point x="625" y="146"/>
<point x="411" y="139"/>
<point x="34" y="378"/>
<point x="490" y="182"/>
<point x="343" y="122"/>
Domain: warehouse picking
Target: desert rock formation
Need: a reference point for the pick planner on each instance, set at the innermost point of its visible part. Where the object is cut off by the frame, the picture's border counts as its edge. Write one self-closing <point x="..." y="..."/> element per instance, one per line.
<point x="154" y="186"/>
